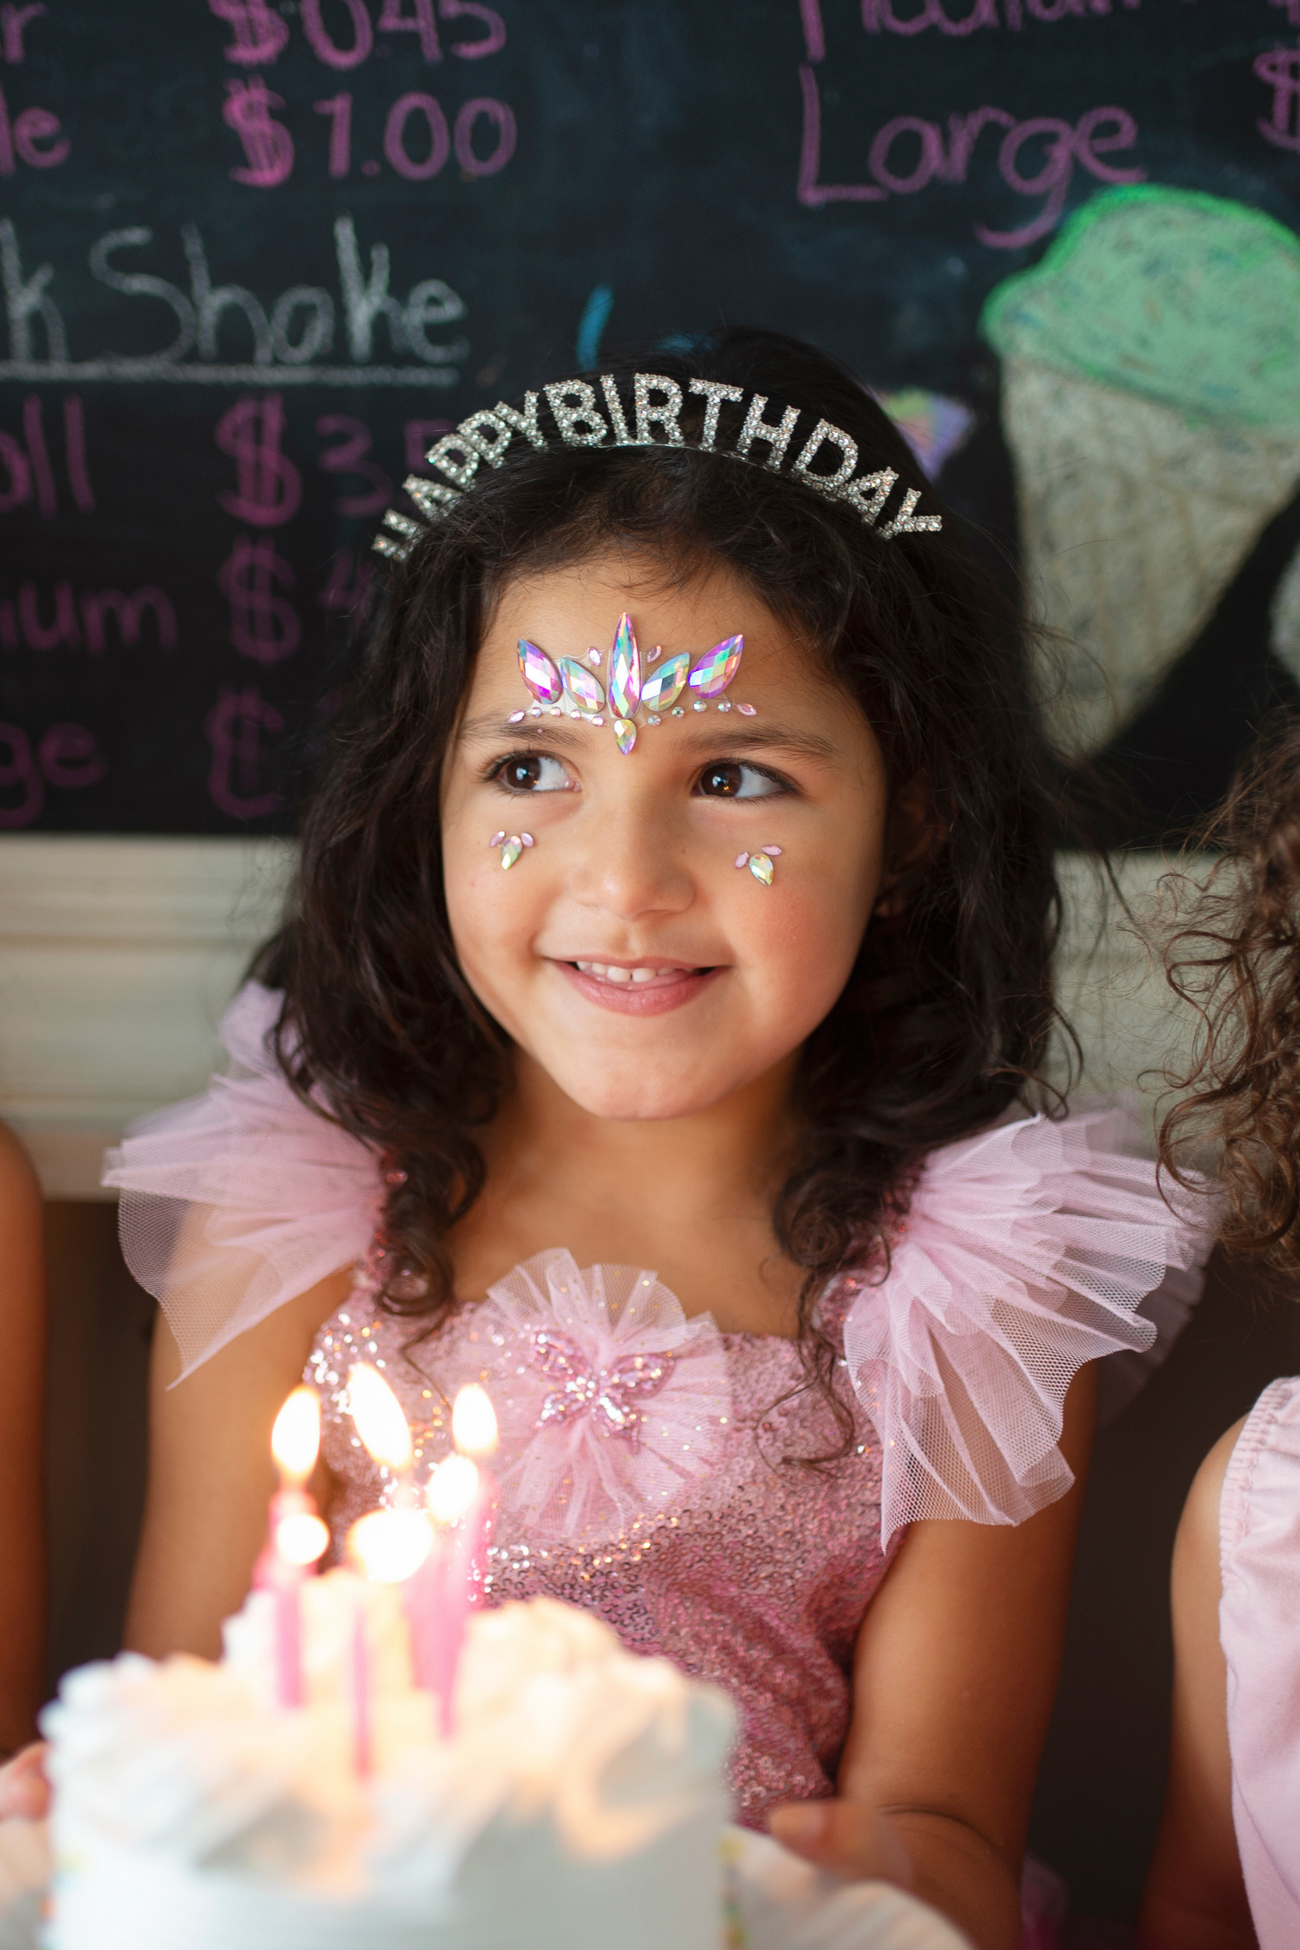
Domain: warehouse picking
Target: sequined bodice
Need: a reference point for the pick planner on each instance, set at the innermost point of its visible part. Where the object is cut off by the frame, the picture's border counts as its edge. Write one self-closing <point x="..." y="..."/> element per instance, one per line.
<point x="757" y="1579"/>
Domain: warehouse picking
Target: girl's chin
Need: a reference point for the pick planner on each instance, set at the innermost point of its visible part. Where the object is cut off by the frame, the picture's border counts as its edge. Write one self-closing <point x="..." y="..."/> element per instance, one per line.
<point x="614" y="1101"/>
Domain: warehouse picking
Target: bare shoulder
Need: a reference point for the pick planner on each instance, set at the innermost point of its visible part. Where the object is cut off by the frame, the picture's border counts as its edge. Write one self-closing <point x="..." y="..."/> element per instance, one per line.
<point x="210" y="1473"/>
<point x="1197" y="1547"/>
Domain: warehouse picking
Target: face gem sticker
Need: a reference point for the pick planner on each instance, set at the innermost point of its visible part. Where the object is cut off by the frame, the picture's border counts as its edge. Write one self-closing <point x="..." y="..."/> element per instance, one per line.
<point x="715" y="670"/>
<point x="539" y="673"/>
<point x="664" y="686"/>
<point x="587" y="692"/>
<point x="624" y="671"/>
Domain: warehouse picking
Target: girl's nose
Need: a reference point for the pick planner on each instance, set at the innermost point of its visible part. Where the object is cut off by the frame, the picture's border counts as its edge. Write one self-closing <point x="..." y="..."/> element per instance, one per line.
<point x="633" y="863"/>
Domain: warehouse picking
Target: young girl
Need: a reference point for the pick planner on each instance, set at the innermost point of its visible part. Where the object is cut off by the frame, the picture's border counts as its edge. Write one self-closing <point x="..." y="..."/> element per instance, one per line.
<point x="673" y="927"/>
<point x="1226" y="1871"/>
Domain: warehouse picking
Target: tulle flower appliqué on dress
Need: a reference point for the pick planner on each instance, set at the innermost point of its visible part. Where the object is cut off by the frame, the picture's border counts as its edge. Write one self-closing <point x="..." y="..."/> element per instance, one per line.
<point x="610" y="1403"/>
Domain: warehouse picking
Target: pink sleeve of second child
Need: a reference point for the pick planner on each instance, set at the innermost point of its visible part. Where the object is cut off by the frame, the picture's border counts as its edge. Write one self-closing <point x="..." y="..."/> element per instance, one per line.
<point x="1259" y="1626"/>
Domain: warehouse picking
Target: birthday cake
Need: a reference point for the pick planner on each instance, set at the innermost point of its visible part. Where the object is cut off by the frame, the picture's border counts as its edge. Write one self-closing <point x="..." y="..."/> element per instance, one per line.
<point x="578" y="1801"/>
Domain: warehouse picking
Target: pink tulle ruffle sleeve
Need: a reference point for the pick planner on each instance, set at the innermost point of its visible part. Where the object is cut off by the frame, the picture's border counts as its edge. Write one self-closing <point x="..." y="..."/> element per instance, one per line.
<point x="1027" y="1251"/>
<point x="240" y="1199"/>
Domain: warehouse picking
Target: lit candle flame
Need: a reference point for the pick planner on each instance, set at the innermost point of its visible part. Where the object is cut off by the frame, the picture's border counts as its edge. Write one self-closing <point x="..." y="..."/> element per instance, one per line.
<point x="301" y="1538"/>
<point x="452" y="1488"/>
<point x="390" y="1545"/>
<point x="474" y="1422"/>
<point x="379" y="1419"/>
<point x="295" y="1438"/>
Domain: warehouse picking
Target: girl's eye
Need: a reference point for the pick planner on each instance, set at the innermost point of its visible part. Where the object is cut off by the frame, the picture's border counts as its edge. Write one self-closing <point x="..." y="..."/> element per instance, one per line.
<point x="533" y="772"/>
<point x="737" y="782"/>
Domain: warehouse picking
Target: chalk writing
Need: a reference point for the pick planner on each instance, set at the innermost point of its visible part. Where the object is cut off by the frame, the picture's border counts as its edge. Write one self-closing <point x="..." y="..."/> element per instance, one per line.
<point x="270" y="486"/>
<point x="262" y="624"/>
<point x="259" y="34"/>
<point x="268" y="145"/>
<point x="27" y="470"/>
<point x="352" y="456"/>
<point x="22" y="137"/>
<point x="887" y="16"/>
<point x="339" y="110"/>
<point x="285" y="338"/>
<point x="420" y="21"/>
<point x="1280" y="69"/>
<point x="502" y="124"/>
<point x="23" y="625"/>
<point x="907" y="154"/>
<point x="328" y="50"/>
<point x="417" y="169"/>
<point x="66" y="757"/>
<point x="33" y="136"/>
<point x="1292" y="10"/>
<point x="346" y="39"/>
<point x="14" y="21"/>
<point x="417" y="139"/>
<point x="236" y="729"/>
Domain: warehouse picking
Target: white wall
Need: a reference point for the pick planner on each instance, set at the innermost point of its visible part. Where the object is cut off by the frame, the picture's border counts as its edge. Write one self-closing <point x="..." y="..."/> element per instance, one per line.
<point x="117" y="957"/>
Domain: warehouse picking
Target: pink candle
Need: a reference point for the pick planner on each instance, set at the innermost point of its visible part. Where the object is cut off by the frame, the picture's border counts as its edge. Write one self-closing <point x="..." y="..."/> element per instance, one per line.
<point x="461" y="1497"/>
<point x="422" y="1603"/>
<point x="363" y="1751"/>
<point x="474" y="1431"/>
<point x="296" y="1538"/>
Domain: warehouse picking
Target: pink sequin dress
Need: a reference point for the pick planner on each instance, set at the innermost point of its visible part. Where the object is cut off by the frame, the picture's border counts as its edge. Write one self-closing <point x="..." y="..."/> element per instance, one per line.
<point x="648" y="1465"/>
<point x="757" y="1579"/>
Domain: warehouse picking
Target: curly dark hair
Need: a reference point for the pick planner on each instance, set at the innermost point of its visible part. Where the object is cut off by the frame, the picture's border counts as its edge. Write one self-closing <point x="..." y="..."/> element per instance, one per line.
<point x="949" y="1006"/>
<point x="1237" y="961"/>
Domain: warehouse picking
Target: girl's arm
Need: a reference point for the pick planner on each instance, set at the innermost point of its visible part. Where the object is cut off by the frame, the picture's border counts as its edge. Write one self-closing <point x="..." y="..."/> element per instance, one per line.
<point x="211" y="1474"/>
<point x="1195" y="1897"/>
<point x="954" y="1678"/>
<point x="22" y="1405"/>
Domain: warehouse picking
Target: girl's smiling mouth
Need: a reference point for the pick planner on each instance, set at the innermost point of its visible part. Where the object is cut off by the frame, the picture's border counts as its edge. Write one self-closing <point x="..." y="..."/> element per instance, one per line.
<point x="644" y="988"/>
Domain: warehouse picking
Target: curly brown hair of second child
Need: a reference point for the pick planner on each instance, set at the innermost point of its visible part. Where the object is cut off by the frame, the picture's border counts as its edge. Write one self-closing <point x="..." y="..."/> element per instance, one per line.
<point x="1236" y="960"/>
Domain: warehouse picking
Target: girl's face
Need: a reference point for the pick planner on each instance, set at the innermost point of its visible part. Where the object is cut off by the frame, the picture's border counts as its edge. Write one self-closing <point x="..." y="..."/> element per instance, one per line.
<point x="624" y="951"/>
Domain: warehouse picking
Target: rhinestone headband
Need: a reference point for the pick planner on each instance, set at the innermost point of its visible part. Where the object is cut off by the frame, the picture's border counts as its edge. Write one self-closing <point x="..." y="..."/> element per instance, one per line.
<point x="580" y="420"/>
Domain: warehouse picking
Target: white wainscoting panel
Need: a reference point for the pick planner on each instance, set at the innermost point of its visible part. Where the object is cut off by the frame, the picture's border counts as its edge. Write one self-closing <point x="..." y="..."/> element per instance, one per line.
<point x="117" y="957"/>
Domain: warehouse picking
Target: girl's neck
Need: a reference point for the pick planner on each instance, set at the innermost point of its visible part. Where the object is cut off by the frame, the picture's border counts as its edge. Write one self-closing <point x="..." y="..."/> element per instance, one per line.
<point x="689" y="1197"/>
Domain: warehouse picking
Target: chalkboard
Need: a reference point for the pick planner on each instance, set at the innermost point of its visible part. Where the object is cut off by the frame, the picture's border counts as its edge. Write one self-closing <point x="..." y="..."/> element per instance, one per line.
<point x="256" y="256"/>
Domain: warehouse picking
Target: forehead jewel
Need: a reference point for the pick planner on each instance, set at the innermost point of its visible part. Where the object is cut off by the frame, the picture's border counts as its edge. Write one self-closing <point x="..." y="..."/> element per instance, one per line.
<point x="593" y="413"/>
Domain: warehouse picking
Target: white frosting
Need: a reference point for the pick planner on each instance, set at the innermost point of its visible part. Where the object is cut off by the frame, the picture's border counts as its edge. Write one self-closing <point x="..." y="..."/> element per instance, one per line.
<point x="579" y="1802"/>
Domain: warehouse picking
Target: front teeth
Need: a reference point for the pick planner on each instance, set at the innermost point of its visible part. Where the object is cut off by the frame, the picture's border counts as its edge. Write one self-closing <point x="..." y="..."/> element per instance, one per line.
<point x="605" y="973"/>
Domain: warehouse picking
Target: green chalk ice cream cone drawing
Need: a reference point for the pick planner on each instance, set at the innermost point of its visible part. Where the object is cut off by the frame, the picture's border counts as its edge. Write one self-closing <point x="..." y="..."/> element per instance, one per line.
<point x="1151" y="401"/>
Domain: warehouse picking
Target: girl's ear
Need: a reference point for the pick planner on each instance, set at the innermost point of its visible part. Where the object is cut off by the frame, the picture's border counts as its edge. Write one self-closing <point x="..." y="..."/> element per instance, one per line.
<point x="914" y="832"/>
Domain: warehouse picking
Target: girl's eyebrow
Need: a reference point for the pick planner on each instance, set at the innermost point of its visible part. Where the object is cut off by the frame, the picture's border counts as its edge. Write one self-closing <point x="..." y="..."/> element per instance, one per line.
<point x="734" y="739"/>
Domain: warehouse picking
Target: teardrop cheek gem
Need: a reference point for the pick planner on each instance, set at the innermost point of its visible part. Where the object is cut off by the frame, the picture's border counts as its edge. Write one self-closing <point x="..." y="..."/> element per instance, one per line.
<point x="539" y="673"/>
<point x="715" y="670"/>
<point x="510" y="853"/>
<point x="761" y="868"/>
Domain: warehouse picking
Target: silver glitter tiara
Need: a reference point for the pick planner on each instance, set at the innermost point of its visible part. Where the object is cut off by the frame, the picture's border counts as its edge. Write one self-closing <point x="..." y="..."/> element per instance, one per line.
<point x="579" y="421"/>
